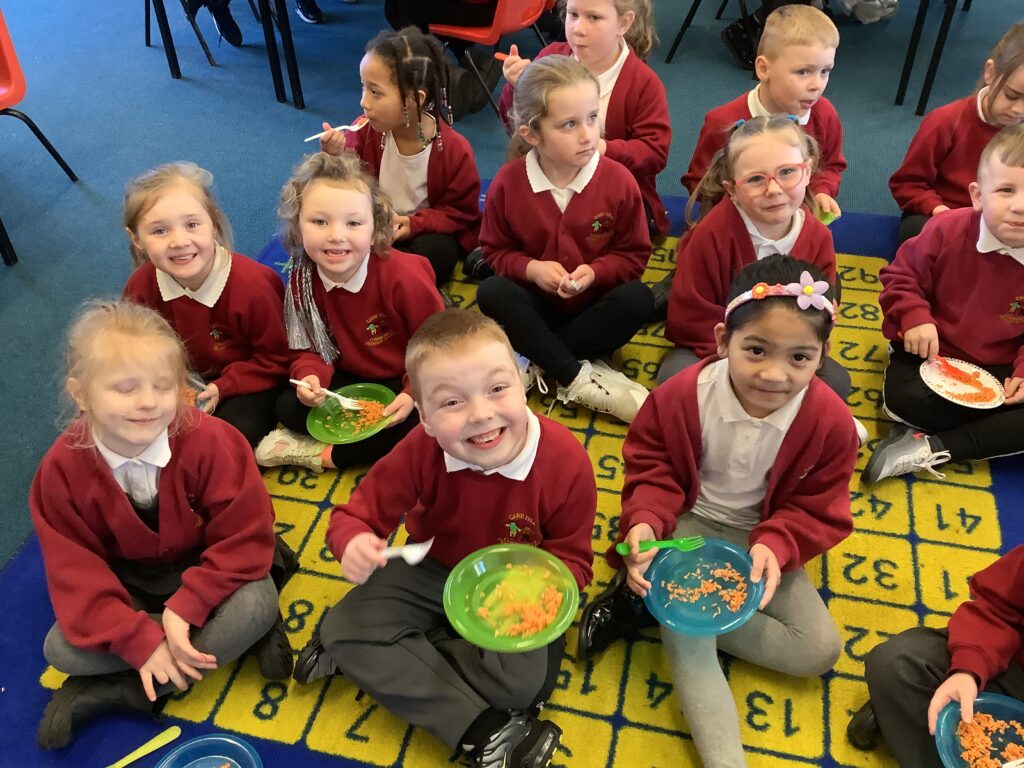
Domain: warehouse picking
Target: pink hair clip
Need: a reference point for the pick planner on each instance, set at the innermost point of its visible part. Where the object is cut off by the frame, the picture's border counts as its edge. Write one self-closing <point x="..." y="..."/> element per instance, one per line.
<point x="809" y="293"/>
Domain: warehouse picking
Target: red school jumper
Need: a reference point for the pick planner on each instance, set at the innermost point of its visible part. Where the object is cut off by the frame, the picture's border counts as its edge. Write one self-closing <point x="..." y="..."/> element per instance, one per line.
<point x="637" y="129"/>
<point x="239" y="344"/>
<point x="824" y="126"/>
<point x="942" y="159"/>
<point x="553" y="508"/>
<point x="372" y="328"/>
<point x="453" y="183"/>
<point x="806" y="508"/>
<point x="603" y="226"/>
<point x="975" y="300"/>
<point x="211" y="497"/>
<point x="985" y="633"/>
<point x="710" y="256"/>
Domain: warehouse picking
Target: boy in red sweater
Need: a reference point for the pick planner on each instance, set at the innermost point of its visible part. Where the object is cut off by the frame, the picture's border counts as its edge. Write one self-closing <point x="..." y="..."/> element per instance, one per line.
<point x="795" y="58"/>
<point x="942" y="159"/>
<point x="480" y="470"/>
<point x="913" y="675"/>
<point x="956" y="290"/>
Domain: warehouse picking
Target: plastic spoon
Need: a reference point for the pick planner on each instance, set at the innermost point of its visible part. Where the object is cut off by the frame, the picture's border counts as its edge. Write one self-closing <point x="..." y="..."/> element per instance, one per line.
<point x="360" y="122"/>
<point x="158" y="741"/>
<point x="411" y="553"/>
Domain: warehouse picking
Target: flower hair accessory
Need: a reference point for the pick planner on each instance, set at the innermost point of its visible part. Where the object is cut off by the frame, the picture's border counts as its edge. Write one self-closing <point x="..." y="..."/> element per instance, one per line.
<point x="809" y="294"/>
<point x="739" y="122"/>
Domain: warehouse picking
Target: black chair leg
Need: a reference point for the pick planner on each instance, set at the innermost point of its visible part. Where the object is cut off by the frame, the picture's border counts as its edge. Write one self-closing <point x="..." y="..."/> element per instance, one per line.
<point x="933" y="65"/>
<point x="266" y="20"/>
<point x="199" y="34"/>
<point x="147" y="23"/>
<point x="908" y="62"/>
<point x="165" y="36"/>
<point x="6" y="247"/>
<point x="288" y="48"/>
<point x="682" y="30"/>
<point x="255" y="11"/>
<point x="967" y="5"/>
<point x="42" y="140"/>
<point x="483" y="84"/>
<point x="540" y="36"/>
<point x="721" y="9"/>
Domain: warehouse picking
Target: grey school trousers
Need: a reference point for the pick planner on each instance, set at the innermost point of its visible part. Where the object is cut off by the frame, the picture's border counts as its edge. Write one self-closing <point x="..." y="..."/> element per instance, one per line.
<point x="794" y="634"/>
<point x="390" y="636"/>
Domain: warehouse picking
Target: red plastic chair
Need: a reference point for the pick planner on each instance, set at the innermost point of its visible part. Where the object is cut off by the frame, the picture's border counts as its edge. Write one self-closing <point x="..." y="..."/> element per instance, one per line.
<point x="509" y="16"/>
<point x="12" y="91"/>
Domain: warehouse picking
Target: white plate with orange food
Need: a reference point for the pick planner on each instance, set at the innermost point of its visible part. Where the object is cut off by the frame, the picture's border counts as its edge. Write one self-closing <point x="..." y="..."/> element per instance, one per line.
<point x="962" y="383"/>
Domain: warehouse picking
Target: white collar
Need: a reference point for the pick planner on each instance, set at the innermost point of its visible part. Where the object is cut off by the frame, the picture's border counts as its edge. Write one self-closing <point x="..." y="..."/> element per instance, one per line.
<point x="354" y="284"/>
<point x="211" y="289"/>
<point x="785" y="243"/>
<point x="757" y="109"/>
<point x="732" y="410"/>
<point x="157" y="453"/>
<point x="517" y="469"/>
<point x="981" y="111"/>
<point x="987" y="243"/>
<point x="606" y="80"/>
<point x="539" y="182"/>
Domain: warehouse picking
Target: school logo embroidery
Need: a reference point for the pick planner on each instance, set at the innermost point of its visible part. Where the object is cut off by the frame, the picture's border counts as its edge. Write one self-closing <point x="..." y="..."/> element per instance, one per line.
<point x="1016" y="312"/>
<point x="378" y="329"/>
<point x="220" y="338"/>
<point x="520" y="529"/>
<point x="601" y="229"/>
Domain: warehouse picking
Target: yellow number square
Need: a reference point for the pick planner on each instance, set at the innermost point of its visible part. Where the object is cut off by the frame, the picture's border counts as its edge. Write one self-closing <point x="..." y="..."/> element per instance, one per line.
<point x="944" y="573"/>
<point x="859" y="308"/>
<point x="592" y="686"/>
<point x="640" y="748"/>
<point x="865" y="398"/>
<point x="641" y="362"/>
<point x="649" y="697"/>
<point x="293" y="519"/>
<point x="304" y="601"/>
<point x="881" y="508"/>
<point x="953" y="515"/>
<point x="785" y="711"/>
<point x="576" y="417"/>
<point x="662" y="259"/>
<point x="845" y="698"/>
<point x="197" y="703"/>
<point x="859" y="348"/>
<point x="862" y="626"/>
<point x="606" y="519"/>
<point x="268" y="709"/>
<point x="606" y="456"/>
<point x="298" y="483"/>
<point x="315" y="554"/>
<point x="585" y="740"/>
<point x="974" y="473"/>
<point x="348" y="482"/>
<point x="872" y="567"/>
<point x="936" y="620"/>
<point x="859" y="273"/>
<point x="357" y="730"/>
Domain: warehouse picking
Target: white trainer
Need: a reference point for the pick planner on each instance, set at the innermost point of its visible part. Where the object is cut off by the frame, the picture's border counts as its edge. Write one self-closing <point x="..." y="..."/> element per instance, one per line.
<point x="282" y="447"/>
<point x="638" y="390"/>
<point x="600" y="391"/>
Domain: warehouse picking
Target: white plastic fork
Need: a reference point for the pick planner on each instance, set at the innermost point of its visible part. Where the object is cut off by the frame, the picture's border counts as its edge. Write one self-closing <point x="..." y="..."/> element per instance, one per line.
<point x="411" y="553"/>
<point x="346" y="402"/>
<point x="359" y="124"/>
<point x="1018" y="763"/>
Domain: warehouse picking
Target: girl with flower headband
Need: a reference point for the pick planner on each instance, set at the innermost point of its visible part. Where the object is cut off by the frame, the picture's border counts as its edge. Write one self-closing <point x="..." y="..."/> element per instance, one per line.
<point x="754" y="202"/>
<point x="424" y="165"/>
<point x="351" y="304"/>
<point x="755" y="449"/>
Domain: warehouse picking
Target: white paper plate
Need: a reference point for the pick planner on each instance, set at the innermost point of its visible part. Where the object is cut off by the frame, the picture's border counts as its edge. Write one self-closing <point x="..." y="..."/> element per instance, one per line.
<point x="957" y="391"/>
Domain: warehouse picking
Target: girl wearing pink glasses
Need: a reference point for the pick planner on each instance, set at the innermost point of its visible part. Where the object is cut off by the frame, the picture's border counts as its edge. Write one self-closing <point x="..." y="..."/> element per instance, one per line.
<point x="754" y="201"/>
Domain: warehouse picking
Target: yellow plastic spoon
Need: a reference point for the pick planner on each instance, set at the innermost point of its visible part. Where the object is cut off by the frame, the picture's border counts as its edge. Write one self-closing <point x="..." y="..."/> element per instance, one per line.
<point x="158" y="741"/>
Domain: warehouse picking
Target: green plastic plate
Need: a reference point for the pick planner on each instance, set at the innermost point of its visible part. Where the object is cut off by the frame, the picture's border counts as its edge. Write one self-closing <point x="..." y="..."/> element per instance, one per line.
<point x="476" y="576"/>
<point x="330" y="423"/>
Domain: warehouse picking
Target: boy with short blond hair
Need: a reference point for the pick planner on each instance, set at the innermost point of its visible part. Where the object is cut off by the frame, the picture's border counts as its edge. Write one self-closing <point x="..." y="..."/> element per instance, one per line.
<point x="480" y="469"/>
<point x="795" y="58"/>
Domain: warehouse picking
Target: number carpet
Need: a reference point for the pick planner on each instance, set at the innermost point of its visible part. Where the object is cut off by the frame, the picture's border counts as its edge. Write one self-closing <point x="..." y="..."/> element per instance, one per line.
<point x="917" y="541"/>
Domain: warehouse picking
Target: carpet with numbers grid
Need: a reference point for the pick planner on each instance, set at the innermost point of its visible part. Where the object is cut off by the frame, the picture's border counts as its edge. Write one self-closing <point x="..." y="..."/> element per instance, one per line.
<point x="917" y="541"/>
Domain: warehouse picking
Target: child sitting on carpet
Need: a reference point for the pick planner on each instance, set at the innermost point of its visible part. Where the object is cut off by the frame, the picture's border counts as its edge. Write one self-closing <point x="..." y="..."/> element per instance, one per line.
<point x="955" y="290"/>
<point x="156" y="530"/>
<point x="423" y="164"/>
<point x="352" y="303"/>
<point x="226" y="308"/>
<point x="913" y="675"/>
<point x="612" y="39"/>
<point x="758" y="185"/>
<point x="942" y="159"/>
<point x="795" y="59"/>
<point x="754" y="449"/>
<point x="564" y="231"/>
<point x="482" y="469"/>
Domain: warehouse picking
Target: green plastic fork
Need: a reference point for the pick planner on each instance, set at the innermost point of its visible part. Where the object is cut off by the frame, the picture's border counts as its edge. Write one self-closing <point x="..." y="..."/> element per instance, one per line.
<point x="687" y="544"/>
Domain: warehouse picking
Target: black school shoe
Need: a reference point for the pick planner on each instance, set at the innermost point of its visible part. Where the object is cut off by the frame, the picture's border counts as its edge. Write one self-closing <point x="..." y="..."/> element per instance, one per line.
<point x="863" y="731"/>
<point x="273" y="652"/>
<point x="309" y="11"/>
<point x="225" y="23"/>
<point x="314" y="663"/>
<point x="475" y="266"/>
<point x="82" y="698"/>
<point x="616" y="613"/>
<point x="522" y="742"/>
<point x="662" y="290"/>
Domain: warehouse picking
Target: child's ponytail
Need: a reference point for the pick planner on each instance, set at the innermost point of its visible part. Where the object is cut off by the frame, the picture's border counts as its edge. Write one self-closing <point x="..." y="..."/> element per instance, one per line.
<point x="641" y="36"/>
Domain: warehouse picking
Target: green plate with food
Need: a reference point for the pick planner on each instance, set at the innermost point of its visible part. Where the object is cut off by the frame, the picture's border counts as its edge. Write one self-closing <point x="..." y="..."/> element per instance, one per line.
<point x="511" y="598"/>
<point x="330" y="423"/>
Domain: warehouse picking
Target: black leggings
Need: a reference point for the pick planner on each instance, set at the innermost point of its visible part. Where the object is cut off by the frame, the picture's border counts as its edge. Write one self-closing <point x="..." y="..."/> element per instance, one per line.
<point x="254" y="414"/>
<point x="442" y="251"/>
<point x="967" y="433"/>
<point x="292" y="413"/>
<point x="556" y="341"/>
<point x="911" y="225"/>
<point x="423" y="13"/>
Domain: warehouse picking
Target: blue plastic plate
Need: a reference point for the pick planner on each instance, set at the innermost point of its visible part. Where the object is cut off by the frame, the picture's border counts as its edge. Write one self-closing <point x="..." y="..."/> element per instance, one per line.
<point x="1000" y="707"/>
<point x="709" y="615"/>
<point x="217" y="750"/>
